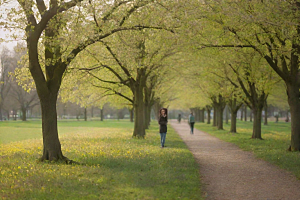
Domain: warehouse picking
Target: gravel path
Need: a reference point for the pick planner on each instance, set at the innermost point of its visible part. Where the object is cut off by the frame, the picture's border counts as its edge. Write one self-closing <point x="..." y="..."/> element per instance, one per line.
<point x="228" y="173"/>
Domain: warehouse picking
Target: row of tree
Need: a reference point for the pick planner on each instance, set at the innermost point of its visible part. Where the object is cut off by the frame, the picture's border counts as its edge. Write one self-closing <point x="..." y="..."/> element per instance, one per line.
<point x="144" y="53"/>
<point x="248" y="51"/>
<point x="12" y="95"/>
<point x="115" y="54"/>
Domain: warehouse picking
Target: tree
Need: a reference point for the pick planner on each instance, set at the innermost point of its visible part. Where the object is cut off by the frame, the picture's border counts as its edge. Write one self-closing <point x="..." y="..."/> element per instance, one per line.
<point x="134" y="61"/>
<point x="5" y="81"/>
<point x="271" y="28"/>
<point x="63" y="20"/>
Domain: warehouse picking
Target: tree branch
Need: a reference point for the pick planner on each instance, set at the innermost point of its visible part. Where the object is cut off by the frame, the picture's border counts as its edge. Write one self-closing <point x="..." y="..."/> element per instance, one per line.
<point x="41" y="6"/>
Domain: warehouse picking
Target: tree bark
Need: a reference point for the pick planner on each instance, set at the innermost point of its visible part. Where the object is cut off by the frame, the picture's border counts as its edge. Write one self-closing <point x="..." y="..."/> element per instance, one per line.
<point x="233" y="122"/>
<point x="131" y="114"/>
<point x="202" y="115"/>
<point x="101" y="114"/>
<point x="256" y="134"/>
<point x="147" y="116"/>
<point x="24" y="116"/>
<point x="208" y="111"/>
<point x="220" y="118"/>
<point x="215" y="116"/>
<point x="139" y="106"/>
<point x="51" y="144"/>
<point x="226" y="115"/>
<point x="294" y="103"/>
<point x="219" y="104"/>
<point x="251" y="114"/>
<point x="233" y="107"/>
<point x="242" y="112"/>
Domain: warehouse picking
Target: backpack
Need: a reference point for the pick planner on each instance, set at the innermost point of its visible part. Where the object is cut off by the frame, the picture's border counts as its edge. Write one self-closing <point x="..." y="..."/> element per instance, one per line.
<point x="191" y="118"/>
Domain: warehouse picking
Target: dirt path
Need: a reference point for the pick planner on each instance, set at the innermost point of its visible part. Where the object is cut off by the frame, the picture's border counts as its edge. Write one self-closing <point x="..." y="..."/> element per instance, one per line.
<point x="228" y="173"/>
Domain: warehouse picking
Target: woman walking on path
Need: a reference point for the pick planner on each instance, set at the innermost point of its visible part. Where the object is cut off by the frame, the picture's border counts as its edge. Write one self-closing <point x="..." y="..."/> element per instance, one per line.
<point x="191" y="122"/>
<point x="163" y="120"/>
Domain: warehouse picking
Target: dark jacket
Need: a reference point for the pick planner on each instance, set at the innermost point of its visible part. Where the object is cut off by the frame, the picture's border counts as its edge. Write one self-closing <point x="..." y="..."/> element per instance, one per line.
<point x="163" y="124"/>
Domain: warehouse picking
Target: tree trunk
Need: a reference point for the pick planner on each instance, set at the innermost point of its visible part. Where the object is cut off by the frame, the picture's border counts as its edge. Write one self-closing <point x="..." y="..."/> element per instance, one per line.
<point x="208" y="111"/>
<point x="242" y="112"/>
<point x="92" y="111"/>
<point x="226" y="114"/>
<point x="219" y="105"/>
<point x="196" y="112"/>
<point x="266" y="113"/>
<point x="139" y="106"/>
<point x="131" y="115"/>
<point x="233" y="122"/>
<point x="233" y="107"/>
<point x="52" y="147"/>
<point x="139" y="117"/>
<point x="220" y="117"/>
<point x="202" y="115"/>
<point x="101" y="114"/>
<point x="24" y="118"/>
<point x="251" y="114"/>
<point x="256" y="134"/>
<point x="147" y="116"/>
<point x="85" y="114"/>
<point x="293" y="100"/>
<point x="215" y="116"/>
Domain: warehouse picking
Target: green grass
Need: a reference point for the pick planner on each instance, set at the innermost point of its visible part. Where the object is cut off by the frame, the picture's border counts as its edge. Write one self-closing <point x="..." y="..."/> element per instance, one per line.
<point x="11" y="131"/>
<point x="273" y="147"/>
<point x="115" y="166"/>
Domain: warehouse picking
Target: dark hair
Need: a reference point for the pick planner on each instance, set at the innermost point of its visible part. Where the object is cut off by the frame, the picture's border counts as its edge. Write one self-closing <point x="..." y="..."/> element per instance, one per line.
<point x="166" y="111"/>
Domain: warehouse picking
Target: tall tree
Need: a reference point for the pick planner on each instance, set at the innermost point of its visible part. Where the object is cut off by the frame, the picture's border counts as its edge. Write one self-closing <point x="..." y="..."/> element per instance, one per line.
<point x="63" y="20"/>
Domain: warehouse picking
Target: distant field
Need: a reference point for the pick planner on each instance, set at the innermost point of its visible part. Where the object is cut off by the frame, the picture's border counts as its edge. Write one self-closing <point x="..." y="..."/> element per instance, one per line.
<point x="114" y="165"/>
<point x="272" y="149"/>
<point x="17" y="130"/>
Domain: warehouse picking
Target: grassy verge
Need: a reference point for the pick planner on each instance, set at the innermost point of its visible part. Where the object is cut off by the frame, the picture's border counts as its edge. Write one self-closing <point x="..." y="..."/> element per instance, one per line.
<point x="272" y="149"/>
<point x="115" y="166"/>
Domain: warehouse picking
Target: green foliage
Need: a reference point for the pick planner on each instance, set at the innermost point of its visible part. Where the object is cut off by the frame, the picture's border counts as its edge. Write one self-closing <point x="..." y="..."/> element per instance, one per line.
<point x="272" y="149"/>
<point x="114" y="165"/>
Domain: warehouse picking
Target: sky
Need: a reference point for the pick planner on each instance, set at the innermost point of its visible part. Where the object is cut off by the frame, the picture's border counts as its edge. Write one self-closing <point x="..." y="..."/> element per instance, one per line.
<point x="5" y="34"/>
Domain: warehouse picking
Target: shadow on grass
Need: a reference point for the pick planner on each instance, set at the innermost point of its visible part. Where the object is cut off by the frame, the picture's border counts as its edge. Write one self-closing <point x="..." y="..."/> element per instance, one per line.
<point x="156" y="174"/>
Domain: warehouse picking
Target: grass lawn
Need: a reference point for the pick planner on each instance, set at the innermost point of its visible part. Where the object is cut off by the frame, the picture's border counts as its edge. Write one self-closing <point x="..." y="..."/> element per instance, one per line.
<point x="273" y="148"/>
<point x="115" y="166"/>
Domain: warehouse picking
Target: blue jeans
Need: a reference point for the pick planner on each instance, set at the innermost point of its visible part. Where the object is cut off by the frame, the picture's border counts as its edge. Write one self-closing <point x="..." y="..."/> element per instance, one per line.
<point x="192" y="127"/>
<point x="163" y="139"/>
